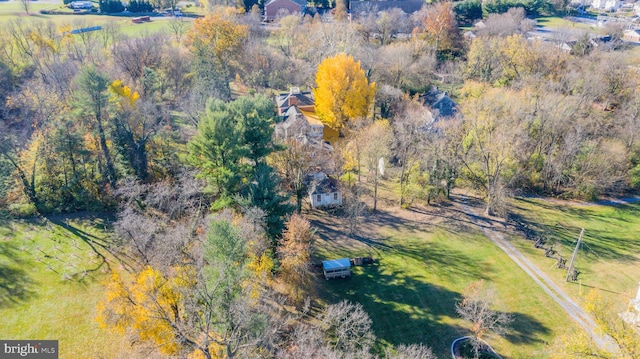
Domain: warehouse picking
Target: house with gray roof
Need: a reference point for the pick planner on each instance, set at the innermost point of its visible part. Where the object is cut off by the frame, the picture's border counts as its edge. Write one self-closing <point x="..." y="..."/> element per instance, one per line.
<point x="439" y="103"/>
<point x="275" y="8"/>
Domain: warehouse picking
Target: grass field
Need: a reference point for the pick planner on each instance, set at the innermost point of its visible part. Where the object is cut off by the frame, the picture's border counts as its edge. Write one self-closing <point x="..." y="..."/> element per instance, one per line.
<point x="609" y="258"/>
<point x="57" y="275"/>
<point x="12" y="10"/>
<point x="425" y="258"/>
<point x="555" y="22"/>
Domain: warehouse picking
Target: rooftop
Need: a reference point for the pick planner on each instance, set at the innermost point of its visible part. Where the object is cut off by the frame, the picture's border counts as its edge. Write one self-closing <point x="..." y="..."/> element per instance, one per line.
<point x="336" y="263"/>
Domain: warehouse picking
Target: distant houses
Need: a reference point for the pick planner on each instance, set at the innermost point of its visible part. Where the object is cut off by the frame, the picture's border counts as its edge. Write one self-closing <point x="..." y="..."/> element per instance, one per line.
<point x="358" y="8"/>
<point x="275" y="8"/>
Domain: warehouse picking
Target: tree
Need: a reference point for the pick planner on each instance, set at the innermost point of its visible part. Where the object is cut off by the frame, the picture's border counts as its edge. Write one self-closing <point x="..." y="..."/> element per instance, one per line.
<point x="413" y="351"/>
<point x="26" y="5"/>
<point x="217" y="149"/>
<point x="292" y="164"/>
<point x="231" y="144"/>
<point x="477" y="307"/>
<point x="405" y="65"/>
<point x="294" y="253"/>
<point x="467" y="11"/>
<point x="376" y="140"/>
<point x="347" y="327"/>
<point x="410" y="141"/>
<point x="135" y="124"/>
<point x="212" y="303"/>
<point x="264" y="193"/>
<point x="441" y="29"/>
<point x="92" y="98"/>
<point x="343" y="91"/>
<point x="341" y="10"/>
<point x="622" y="337"/>
<point x="489" y="137"/>
<point x="216" y="41"/>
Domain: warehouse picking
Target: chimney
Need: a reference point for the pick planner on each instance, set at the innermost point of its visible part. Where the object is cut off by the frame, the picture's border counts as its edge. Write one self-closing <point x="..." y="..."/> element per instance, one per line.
<point x="293" y="100"/>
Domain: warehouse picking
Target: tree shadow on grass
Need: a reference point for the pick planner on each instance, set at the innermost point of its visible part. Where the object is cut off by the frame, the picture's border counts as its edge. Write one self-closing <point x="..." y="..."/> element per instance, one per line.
<point x="404" y="310"/>
<point x="525" y="329"/>
<point x="101" y="247"/>
<point x="15" y="284"/>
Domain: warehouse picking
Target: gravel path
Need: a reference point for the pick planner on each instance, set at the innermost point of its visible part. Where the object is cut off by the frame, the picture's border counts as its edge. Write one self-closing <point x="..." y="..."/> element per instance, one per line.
<point x="555" y="292"/>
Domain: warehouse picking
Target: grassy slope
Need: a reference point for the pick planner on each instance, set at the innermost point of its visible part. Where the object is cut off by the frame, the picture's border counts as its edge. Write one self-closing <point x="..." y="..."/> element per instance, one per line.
<point x="610" y="257"/>
<point x="56" y="307"/>
<point x="425" y="262"/>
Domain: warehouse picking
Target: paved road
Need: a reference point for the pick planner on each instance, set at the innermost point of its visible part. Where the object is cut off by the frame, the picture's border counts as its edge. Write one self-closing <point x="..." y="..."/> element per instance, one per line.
<point x="555" y="292"/>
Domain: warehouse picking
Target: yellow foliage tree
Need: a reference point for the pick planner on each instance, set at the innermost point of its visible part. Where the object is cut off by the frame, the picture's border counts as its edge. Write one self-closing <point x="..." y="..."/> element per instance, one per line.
<point x="150" y="304"/>
<point x="123" y="94"/>
<point x="343" y="91"/>
<point x="217" y="35"/>
<point x="621" y="338"/>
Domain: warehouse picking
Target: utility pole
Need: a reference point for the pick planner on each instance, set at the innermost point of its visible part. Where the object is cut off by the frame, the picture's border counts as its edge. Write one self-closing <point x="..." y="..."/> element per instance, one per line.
<point x="573" y="257"/>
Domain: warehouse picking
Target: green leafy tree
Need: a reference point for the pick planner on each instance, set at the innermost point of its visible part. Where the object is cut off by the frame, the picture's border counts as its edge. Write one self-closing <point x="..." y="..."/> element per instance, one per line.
<point x="217" y="149"/>
<point x="264" y="193"/>
<point x="92" y="99"/>
<point x="232" y="141"/>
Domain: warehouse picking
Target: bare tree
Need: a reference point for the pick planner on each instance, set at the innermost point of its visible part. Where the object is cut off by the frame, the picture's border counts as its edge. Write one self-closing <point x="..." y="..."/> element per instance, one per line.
<point x="410" y="130"/>
<point x="511" y="22"/>
<point x="353" y="209"/>
<point x="477" y="307"/>
<point x="347" y="327"/>
<point x="26" y="5"/>
<point x="413" y="351"/>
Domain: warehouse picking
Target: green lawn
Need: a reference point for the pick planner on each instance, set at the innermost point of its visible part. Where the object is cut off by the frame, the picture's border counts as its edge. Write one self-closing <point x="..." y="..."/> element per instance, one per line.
<point x="610" y="256"/>
<point x="12" y="10"/>
<point x="425" y="260"/>
<point x="561" y="23"/>
<point x="57" y="278"/>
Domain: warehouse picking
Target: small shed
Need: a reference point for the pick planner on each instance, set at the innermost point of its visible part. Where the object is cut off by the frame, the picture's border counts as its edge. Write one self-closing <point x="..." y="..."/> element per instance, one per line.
<point x="324" y="191"/>
<point x="335" y="268"/>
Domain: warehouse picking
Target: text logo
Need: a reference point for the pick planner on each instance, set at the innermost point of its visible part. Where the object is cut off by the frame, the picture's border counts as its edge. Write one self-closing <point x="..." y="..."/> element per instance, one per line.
<point x="30" y="349"/>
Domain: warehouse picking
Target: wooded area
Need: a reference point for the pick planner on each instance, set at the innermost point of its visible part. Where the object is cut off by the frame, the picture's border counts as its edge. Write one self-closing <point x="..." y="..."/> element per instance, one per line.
<point x="175" y="134"/>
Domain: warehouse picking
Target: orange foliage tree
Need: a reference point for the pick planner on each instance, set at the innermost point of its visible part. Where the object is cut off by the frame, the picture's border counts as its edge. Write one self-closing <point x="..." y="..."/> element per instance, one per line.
<point x="295" y="254"/>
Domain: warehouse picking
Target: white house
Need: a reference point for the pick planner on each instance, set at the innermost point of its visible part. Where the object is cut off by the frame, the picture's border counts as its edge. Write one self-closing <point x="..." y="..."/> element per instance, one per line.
<point x="298" y="126"/>
<point x="324" y="191"/>
<point x="336" y="268"/>
<point x="607" y="5"/>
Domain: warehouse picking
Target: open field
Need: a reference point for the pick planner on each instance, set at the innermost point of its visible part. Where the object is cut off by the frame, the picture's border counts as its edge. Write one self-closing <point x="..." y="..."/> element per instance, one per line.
<point x="57" y="273"/>
<point x="12" y="10"/>
<point x="609" y="258"/>
<point x="425" y="258"/>
<point x="559" y="23"/>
